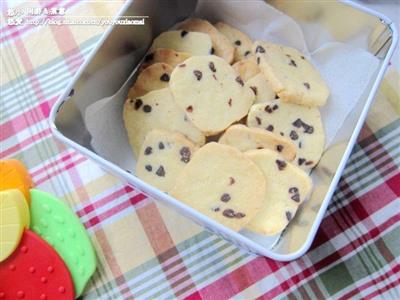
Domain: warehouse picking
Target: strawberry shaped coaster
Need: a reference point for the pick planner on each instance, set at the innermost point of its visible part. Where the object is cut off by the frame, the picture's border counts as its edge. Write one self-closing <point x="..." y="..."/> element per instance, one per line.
<point x="14" y="175"/>
<point x="61" y="228"/>
<point x="35" y="271"/>
<point x="14" y="217"/>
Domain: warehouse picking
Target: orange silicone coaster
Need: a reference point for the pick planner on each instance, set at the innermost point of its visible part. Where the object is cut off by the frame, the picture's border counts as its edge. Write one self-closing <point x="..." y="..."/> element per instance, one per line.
<point x="14" y="175"/>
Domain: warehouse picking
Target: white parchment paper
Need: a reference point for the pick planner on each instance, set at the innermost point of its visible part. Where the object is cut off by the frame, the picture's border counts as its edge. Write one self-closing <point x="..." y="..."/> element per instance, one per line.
<point x="347" y="71"/>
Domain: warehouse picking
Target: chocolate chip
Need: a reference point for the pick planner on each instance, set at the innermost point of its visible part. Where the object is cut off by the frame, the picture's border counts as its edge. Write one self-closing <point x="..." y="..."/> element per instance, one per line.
<point x="288" y="215"/>
<point x="161" y="145"/>
<point x="276" y="96"/>
<point x="258" y="120"/>
<point x="308" y="129"/>
<point x="270" y="128"/>
<point x="229" y="213"/>
<point x="212" y="50"/>
<point x="185" y="154"/>
<point x="293" y="190"/>
<point x="164" y="77"/>
<point x="295" y="198"/>
<point x="212" y="66"/>
<point x="230" y="102"/>
<point x="238" y="42"/>
<point x="216" y="209"/>
<point x="258" y="60"/>
<point x="298" y="123"/>
<point x="300" y="161"/>
<point x="302" y="57"/>
<point x="225" y="197"/>
<point x="160" y="171"/>
<point x="183" y="33"/>
<point x="281" y="133"/>
<point x="189" y="108"/>
<point x="231" y="180"/>
<point x="149" y="57"/>
<point x="148" y="151"/>
<point x="147" y="108"/>
<point x="268" y="109"/>
<point x="260" y="49"/>
<point x="198" y="74"/>
<point x="239" y="80"/>
<point x="247" y="53"/>
<point x="138" y="103"/>
<point x="254" y="88"/>
<point x="279" y="148"/>
<point x="240" y="215"/>
<point x="130" y="100"/>
<point x="292" y="63"/>
<point x="215" y="77"/>
<point x="275" y="107"/>
<point x="148" y="168"/>
<point x="309" y="162"/>
<point x="293" y="135"/>
<point x="307" y="85"/>
<point x="281" y="164"/>
<point x="182" y="65"/>
<point x="259" y="147"/>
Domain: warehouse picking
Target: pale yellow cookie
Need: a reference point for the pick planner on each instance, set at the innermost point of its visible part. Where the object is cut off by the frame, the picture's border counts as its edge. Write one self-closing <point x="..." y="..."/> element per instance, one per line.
<point x="156" y="109"/>
<point x="162" y="157"/>
<point x="152" y="78"/>
<point x="240" y="40"/>
<point x="245" y="138"/>
<point x="222" y="47"/>
<point x="261" y="88"/>
<point x="287" y="187"/>
<point x="246" y="68"/>
<point x="208" y="89"/>
<point x="292" y="77"/>
<point x="167" y="56"/>
<point x="223" y="184"/>
<point x="194" y="43"/>
<point x="301" y="124"/>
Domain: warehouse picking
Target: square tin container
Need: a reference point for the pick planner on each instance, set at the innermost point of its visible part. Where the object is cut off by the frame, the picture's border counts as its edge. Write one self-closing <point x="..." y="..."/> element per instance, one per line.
<point x="121" y="49"/>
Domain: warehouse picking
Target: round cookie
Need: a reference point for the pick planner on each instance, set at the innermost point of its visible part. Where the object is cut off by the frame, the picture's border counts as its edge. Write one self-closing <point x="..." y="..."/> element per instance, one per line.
<point x="301" y="124"/>
<point x="246" y="68"/>
<point x="261" y="88"/>
<point x="240" y="40"/>
<point x="61" y="228"/>
<point x="35" y="271"/>
<point x="156" y="109"/>
<point x="291" y="76"/>
<point x="14" y="217"/>
<point x="287" y="186"/>
<point x="222" y="47"/>
<point x="152" y="78"/>
<point x="245" y="138"/>
<point x="162" y="157"/>
<point x="14" y="175"/>
<point x="195" y="43"/>
<point x="208" y="89"/>
<point x="223" y="184"/>
<point x="167" y="56"/>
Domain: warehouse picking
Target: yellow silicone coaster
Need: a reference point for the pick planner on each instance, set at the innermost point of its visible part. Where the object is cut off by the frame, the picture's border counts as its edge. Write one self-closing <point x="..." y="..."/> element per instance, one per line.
<point x="14" y="217"/>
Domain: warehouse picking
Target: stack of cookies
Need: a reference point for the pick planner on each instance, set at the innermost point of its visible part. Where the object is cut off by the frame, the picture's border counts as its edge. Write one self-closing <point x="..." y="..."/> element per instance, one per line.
<point x="228" y="126"/>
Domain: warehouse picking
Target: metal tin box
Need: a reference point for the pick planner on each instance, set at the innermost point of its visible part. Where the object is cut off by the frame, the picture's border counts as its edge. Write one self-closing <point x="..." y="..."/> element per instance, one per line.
<point x="121" y="48"/>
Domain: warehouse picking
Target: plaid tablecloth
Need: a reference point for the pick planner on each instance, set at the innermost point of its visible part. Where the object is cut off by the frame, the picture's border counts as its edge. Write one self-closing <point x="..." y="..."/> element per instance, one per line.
<point x="146" y="252"/>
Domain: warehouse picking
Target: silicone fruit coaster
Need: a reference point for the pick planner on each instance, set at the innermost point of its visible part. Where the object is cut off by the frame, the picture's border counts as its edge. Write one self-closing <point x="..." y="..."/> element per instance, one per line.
<point x="35" y="271"/>
<point x="14" y="175"/>
<point x="14" y="216"/>
<point x="61" y="228"/>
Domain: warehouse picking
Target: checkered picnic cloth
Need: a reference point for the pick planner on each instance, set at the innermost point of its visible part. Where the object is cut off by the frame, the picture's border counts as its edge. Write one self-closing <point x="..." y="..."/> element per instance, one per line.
<point x="145" y="252"/>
